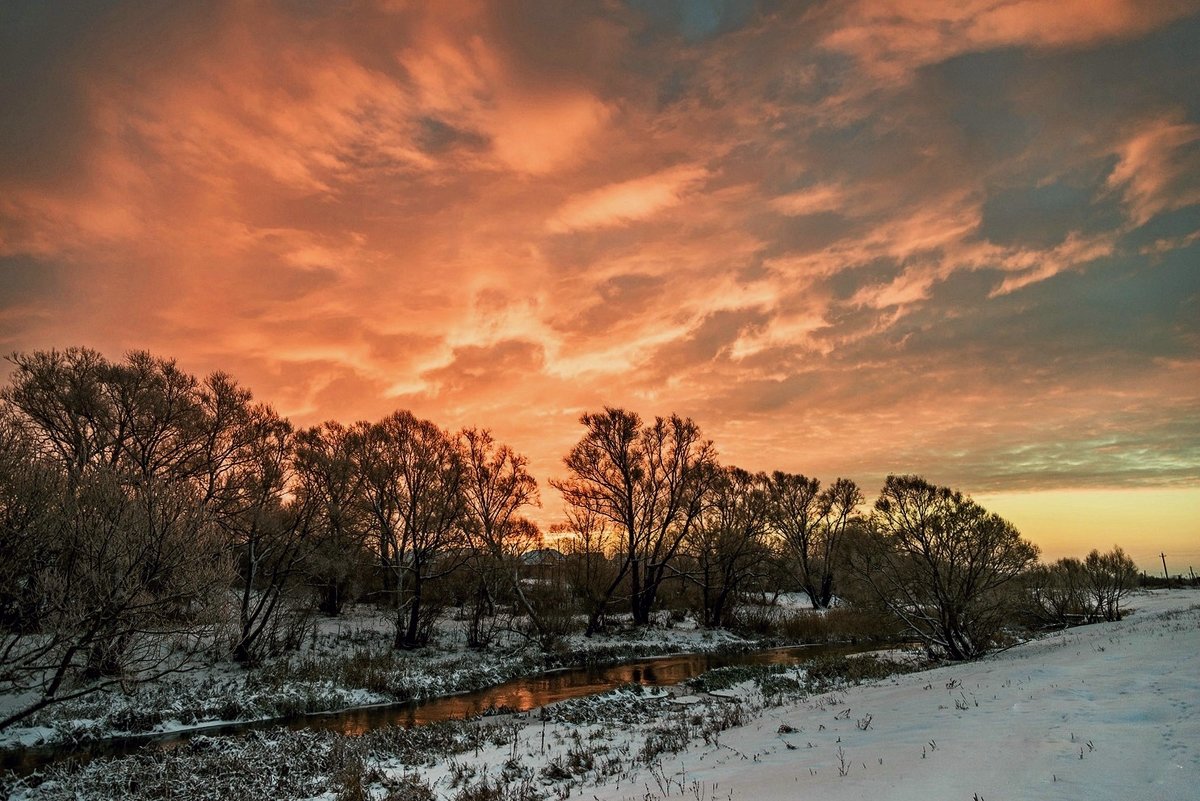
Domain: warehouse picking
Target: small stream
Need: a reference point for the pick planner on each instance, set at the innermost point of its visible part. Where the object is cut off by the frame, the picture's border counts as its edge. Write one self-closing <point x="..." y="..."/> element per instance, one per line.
<point x="517" y="695"/>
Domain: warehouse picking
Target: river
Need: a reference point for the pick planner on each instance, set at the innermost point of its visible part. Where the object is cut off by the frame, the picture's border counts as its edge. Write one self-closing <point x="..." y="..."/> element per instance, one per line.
<point x="517" y="695"/>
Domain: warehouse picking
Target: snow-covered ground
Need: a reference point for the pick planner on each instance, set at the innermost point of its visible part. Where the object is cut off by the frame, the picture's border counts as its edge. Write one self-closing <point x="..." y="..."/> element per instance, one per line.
<point x="329" y="674"/>
<point x="1108" y="711"/>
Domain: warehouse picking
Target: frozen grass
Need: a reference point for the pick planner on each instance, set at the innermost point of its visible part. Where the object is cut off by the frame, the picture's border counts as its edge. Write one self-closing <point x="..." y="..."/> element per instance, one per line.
<point x="347" y="662"/>
<point x="280" y="765"/>
<point x="1104" y="711"/>
<point x="571" y="744"/>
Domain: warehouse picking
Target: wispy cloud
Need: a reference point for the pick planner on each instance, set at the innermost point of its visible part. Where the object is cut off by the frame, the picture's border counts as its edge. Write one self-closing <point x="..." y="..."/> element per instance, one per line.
<point x="627" y="201"/>
<point x="1159" y="168"/>
<point x="849" y="238"/>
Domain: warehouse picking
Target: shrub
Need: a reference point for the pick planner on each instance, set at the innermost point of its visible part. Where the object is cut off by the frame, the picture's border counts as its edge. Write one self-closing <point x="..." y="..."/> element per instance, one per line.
<point x="943" y="565"/>
<point x="852" y="624"/>
<point x="827" y="672"/>
<point x="1110" y="577"/>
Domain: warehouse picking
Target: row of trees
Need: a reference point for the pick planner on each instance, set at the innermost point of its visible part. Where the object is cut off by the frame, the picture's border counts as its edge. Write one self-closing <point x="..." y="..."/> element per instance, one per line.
<point x="654" y="497"/>
<point x="1087" y="590"/>
<point x="145" y="514"/>
<point x="134" y="498"/>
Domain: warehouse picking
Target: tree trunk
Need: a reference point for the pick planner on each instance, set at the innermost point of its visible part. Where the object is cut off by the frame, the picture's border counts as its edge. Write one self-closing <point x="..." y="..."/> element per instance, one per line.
<point x="601" y="606"/>
<point x="593" y="624"/>
<point x="826" y="594"/>
<point x="332" y="599"/>
<point x="412" y="634"/>
<point x="718" y="608"/>
<point x="643" y="604"/>
<point x="385" y="562"/>
<point x="637" y="606"/>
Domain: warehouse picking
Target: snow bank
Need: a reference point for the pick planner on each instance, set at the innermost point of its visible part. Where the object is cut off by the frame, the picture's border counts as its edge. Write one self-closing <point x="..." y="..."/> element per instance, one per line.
<point x="1098" y="712"/>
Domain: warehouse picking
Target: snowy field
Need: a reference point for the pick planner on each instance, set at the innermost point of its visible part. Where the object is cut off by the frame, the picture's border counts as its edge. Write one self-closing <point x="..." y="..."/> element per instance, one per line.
<point x="1099" y="712"/>
<point x="1106" y="711"/>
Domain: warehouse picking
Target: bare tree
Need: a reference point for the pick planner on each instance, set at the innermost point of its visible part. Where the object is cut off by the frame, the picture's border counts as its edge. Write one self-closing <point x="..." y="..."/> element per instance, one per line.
<point x="595" y="563"/>
<point x="270" y="533"/>
<point x="61" y="395"/>
<point x="31" y="491"/>
<point x="1072" y="591"/>
<point x="1057" y="594"/>
<point x="412" y="476"/>
<point x="728" y="541"/>
<point x="649" y="481"/>
<point x="812" y="524"/>
<point x="496" y="487"/>
<point x="328" y="482"/>
<point x="126" y="566"/>
<point x="943" y="565"/>
<point x="1109" y="578"/>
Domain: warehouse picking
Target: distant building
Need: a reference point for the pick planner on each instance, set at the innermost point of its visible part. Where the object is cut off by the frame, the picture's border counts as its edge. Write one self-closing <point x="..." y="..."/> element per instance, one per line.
<point x="541" y="557"/>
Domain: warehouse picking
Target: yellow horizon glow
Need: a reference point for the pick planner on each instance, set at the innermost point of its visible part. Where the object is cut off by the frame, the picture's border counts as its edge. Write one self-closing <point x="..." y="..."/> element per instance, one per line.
<point x="1144" y="522"/>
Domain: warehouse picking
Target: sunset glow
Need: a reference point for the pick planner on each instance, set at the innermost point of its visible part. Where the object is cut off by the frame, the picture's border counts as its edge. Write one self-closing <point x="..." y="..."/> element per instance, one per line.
<point x="847" y="238"/>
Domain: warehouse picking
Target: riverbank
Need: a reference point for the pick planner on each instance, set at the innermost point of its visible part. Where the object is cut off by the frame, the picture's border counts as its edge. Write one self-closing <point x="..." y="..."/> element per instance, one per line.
<point x="1106" y="711"/>
<point x="1102" y="711"/>
<point x="348" y="662"/>
<point x="286" y="763"/>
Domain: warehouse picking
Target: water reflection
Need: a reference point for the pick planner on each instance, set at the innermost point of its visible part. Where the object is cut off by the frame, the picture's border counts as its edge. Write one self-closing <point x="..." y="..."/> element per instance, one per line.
<point x="522" y="695"/>
<point x="519" y="695"/>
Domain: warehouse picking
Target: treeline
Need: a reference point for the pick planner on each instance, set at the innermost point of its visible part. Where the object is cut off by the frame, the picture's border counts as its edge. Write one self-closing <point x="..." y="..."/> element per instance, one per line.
<point x="147" y="514"/>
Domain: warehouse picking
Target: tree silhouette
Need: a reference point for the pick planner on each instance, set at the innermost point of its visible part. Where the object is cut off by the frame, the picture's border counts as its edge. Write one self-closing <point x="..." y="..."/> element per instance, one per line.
<point x="649" y="481"/>
<point x="943" y="565"/>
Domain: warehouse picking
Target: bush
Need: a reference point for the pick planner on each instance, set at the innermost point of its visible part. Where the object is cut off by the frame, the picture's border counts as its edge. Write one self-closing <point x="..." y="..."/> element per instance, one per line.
<point x="852" y="624"/>
<point x="498" y="790"/>
<point x="828" y="672"/>
<point x="1070" y="591"/>
<point x="409" y="787"/>
<point x="1110" y="577"/>
<point x="1056" y="595"/>
<point x="943" y="565"/>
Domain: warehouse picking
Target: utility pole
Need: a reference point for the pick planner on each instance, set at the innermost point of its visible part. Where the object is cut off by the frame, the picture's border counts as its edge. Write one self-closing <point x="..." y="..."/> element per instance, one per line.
<point x="1166" y="575"/>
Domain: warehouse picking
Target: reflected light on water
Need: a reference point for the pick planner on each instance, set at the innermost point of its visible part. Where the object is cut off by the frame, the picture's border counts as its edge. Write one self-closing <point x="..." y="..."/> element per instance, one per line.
<point x="518" y="695"/>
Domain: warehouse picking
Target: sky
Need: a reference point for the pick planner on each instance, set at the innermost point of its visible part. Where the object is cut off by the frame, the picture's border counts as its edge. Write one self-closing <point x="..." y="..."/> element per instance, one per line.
<point x="849" y="238"/>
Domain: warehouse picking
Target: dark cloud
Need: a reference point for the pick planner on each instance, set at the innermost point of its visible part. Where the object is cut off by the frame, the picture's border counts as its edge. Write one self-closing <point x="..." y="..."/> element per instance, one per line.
<point x="614" y="301"/>
<point x="437" y="136"/>
<point x="45" y="124"/>
<point x="845" y="283"/>
<point x="1136" y="445"/>
<point x="708" y="340"/>
<point x="696" y="20"/>
<point x="1171" y="226"/>
<point x="1130" y="79"/>
<point x="805" y="233"/>
<point x="25" y="281"/>
<point x="976" y="92"/>
<point x="48" y="56"/>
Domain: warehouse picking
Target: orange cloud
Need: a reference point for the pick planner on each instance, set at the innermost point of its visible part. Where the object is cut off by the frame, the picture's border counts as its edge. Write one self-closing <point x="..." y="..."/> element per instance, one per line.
<point x="505" y="220"/>
<point x="627" y="201"/>
<point x="892" y="38"/>
<point x="1158" y="168"/>
<point x="537" y="135"/>
<point x="825" y="197"/>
